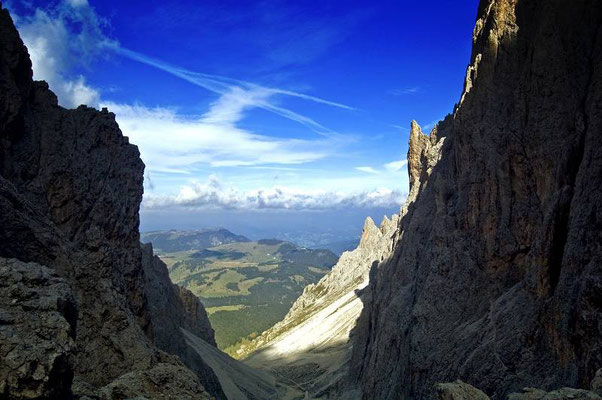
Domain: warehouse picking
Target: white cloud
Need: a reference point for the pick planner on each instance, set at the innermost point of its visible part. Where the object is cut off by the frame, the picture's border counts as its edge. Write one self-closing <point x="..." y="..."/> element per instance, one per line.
<point x="393" y="166"/>
<point x="56" y="46"/>
<point x="78" y="3"/>
<point x="405" y="91"/>
<point x="368" y="170"/>
<point x="396" y="165"/>
<point x="168" y="142"/>
<point x="77" y="92"/>
<point x="63" y="39"/>
<point x="215" y="195"/>
<point x="171" y="143"/>
<point x="428" y="127"/>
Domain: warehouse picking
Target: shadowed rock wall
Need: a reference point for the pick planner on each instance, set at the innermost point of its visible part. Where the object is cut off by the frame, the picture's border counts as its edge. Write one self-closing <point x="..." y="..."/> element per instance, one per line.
<point x="496" y="276"/>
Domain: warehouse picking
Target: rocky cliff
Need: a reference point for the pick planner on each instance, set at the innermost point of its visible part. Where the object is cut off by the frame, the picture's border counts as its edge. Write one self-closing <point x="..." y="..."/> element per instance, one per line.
<point x="496" y="273"/>
<point x="80" y="304"/>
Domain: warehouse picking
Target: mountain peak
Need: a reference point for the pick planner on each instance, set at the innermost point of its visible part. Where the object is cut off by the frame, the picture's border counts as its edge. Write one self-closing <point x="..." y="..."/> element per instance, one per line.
<point x="370" y="233"/>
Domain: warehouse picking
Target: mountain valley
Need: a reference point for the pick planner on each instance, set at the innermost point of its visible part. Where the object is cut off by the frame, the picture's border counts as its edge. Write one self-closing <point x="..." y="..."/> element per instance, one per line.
<point x="246" y="286"/>
<point x="486" y="285"/>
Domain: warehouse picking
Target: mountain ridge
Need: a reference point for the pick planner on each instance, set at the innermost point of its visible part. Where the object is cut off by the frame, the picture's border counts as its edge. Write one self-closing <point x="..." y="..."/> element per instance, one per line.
<point x="180" y="240"/>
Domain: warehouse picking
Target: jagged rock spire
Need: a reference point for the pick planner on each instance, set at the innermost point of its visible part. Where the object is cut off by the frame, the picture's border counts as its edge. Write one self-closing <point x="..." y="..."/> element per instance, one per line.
<point x="418" y="143"/>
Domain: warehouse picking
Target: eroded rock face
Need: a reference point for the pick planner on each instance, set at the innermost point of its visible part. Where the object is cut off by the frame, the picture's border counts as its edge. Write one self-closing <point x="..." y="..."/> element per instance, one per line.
<point x="70" y="191"/>
<point x="84" y="181"/>
<point x="596" y="384"/>
<point x="164" y="381"/>
<point x="195" y="318"/>
<point x="170" y="309"/>
<point x="560" y="394"/>
<point x="170" y="306"/>
<point x="496" y="276"/>
<point x="459" y="390"/>
<point x="37" y="326"/>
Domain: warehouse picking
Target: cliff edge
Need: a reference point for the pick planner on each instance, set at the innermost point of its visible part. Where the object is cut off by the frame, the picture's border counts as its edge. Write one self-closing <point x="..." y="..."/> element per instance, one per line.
<point x="79" y="314"/>
<point x="496" y="273"/>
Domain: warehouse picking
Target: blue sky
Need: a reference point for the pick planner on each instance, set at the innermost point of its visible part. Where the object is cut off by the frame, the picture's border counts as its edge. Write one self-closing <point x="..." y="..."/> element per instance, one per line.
<point x="267" y="106"/>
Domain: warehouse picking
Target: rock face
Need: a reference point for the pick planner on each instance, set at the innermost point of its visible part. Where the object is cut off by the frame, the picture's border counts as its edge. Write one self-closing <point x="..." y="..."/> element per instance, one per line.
<point x="459" y="390"/>
<point x="560" y="394"/>
<point x="596" y="384"/>
<point x="164" y="381"/>
<point x="72" y="268"/>
<point x="37" y="327"/>
<point x="310" y="347"/>
<point x="170" y="306"/>
<point x="171" y="309"/>
<point x="496" y="274"/>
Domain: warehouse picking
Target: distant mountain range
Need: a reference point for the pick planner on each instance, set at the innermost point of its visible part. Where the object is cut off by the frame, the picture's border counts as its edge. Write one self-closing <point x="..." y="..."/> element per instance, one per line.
<point x="175" y="240"/>
<point x="339" y="247"/>
<point x="247" y="286"/>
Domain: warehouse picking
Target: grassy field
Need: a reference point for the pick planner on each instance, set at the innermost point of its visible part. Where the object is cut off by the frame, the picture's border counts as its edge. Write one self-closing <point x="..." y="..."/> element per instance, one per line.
<point x="247" y="286"/>
<point x="236" y="307"/>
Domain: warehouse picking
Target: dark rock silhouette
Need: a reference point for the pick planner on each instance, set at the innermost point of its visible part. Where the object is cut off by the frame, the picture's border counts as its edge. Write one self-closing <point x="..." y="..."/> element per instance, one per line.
<point x="70" y="191"/>
<point x="496" y="276"/>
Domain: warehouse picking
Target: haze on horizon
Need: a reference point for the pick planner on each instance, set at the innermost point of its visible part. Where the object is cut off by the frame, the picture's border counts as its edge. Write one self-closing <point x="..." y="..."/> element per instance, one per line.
<point x="265" y="118"/>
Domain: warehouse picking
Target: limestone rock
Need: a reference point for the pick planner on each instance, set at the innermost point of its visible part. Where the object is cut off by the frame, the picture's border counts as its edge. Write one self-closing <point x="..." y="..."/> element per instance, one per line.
<point x="170" y="309"/>
<point x="496" y="273"/>
<point x="162" y="382"/>
<point x="560" y="394"/>
<point x="170" y="306"/>
<point x="195" y="318"/>
<point x="37" y="326"/>
<point x="596" y="384"/>
<point x="459" y="390"/>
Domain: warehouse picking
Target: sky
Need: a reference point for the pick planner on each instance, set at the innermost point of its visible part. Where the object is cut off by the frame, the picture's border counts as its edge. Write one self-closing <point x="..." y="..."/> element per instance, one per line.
<point x="293" y="112"/>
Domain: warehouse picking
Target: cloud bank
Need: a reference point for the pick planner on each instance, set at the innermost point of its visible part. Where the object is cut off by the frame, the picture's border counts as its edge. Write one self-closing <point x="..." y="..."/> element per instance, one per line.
<point x="215" y="195"/>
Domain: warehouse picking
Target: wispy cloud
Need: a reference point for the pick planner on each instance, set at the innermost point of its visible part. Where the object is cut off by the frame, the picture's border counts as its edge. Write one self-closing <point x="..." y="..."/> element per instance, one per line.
<point x="393" y="166"/>
<point x="401" y="128"/>
<point x="71" y="35"/>
<point x="396" y="165"/>
<point x="171" y="143"/>
<point x="430" y="125"/>
<point x="405" y="91"/>
<point x="256" y="95"/>
<point x="368" y="170"/>
<point x="213" y="194"/>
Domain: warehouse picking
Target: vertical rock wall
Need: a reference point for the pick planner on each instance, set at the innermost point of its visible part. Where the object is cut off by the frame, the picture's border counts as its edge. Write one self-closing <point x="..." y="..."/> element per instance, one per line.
<point x="496" y="277"/>
<point x="70" y="191"/>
